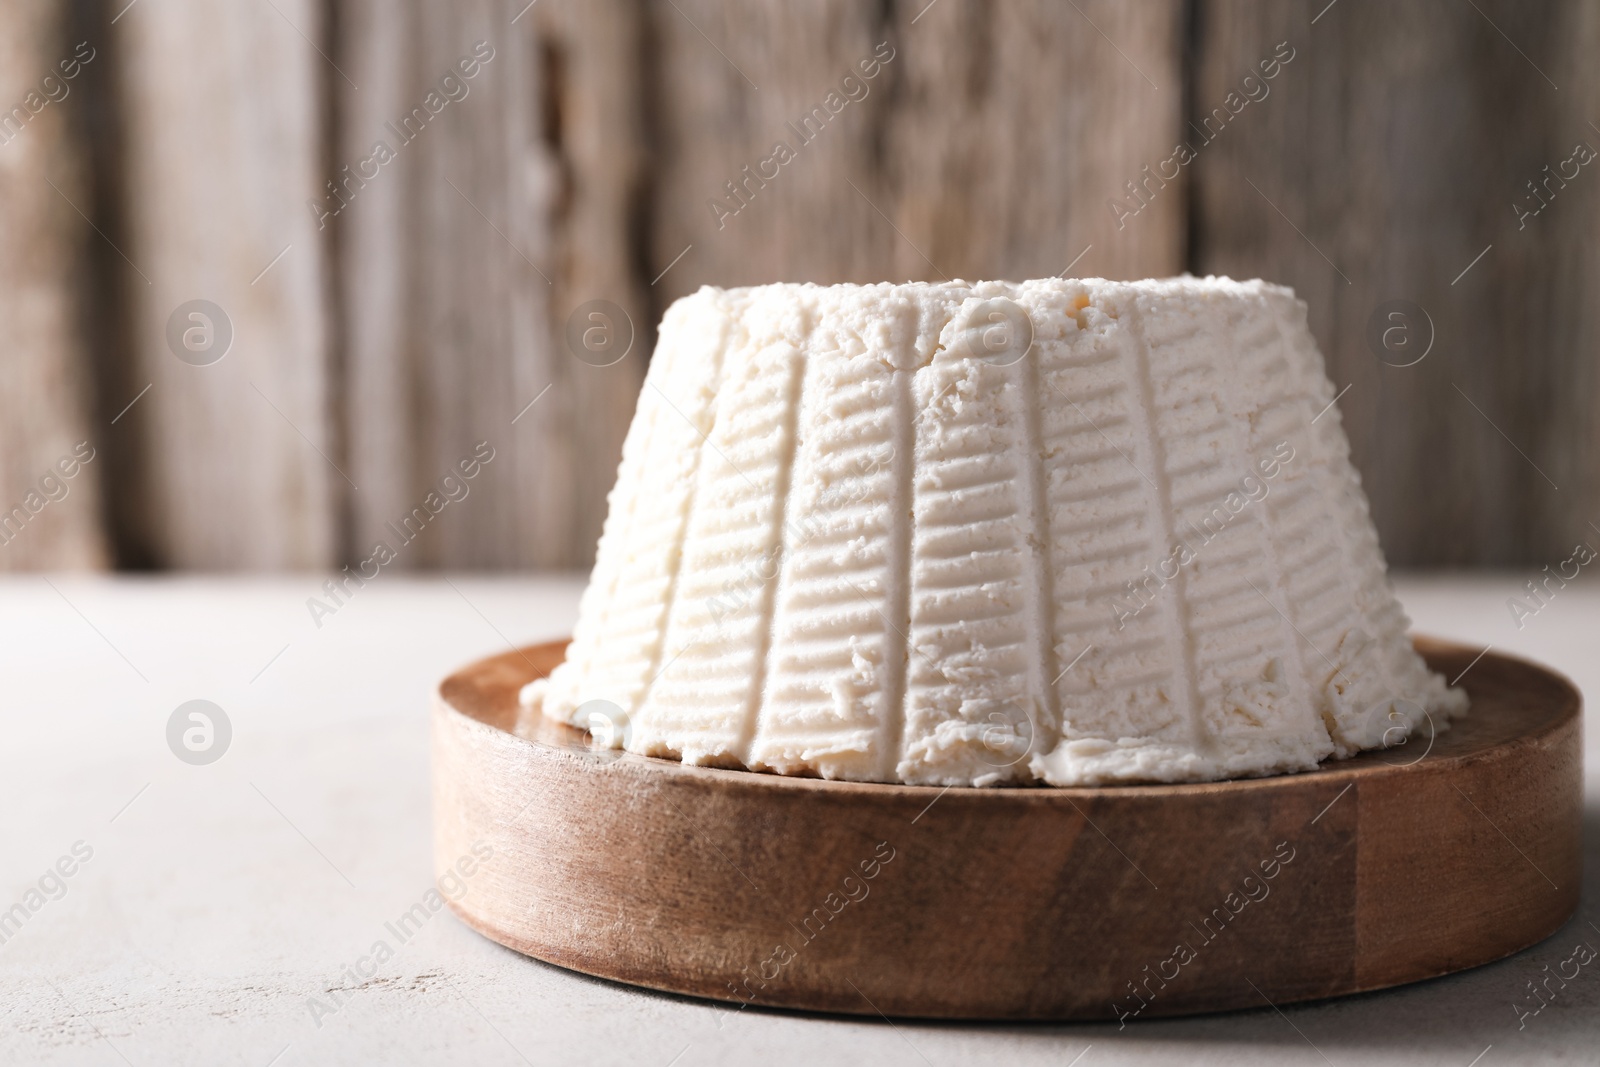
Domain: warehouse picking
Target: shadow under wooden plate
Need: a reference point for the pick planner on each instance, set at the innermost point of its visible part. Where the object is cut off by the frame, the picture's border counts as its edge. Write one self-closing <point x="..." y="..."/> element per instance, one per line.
<point x="1040" y="903"/>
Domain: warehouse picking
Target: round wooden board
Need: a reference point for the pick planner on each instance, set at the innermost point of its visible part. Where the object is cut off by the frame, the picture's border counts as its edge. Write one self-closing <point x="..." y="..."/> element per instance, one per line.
<point x="1125" y="902"/>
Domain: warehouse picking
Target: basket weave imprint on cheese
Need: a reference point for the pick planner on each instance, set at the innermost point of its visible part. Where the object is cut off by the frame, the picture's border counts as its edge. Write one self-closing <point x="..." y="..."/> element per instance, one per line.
<point x="1065" y="531"/>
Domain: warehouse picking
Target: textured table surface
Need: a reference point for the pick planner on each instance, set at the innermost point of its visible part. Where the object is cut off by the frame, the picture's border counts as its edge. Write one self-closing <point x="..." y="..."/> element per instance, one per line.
<point x="221" y="904"/>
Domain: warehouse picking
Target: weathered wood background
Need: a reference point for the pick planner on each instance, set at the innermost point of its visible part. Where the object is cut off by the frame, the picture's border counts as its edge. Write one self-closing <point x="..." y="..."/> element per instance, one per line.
<point x="374" y="346"/>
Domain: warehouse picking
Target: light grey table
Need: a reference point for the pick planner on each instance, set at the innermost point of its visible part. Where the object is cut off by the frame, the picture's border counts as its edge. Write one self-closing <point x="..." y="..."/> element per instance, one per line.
<point x="221" y="904"/>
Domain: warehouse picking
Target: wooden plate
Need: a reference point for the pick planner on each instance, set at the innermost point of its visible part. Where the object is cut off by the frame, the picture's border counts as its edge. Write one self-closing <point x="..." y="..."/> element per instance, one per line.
<point x="1126" y="902"/>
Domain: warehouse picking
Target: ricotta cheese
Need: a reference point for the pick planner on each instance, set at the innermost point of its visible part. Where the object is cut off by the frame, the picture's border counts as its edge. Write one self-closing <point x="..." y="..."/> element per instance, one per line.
<point x="1064" y="531"/>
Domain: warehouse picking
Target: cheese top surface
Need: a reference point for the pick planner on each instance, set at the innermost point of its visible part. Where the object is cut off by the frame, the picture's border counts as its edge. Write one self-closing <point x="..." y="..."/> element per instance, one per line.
<point x="1075" y="532"/>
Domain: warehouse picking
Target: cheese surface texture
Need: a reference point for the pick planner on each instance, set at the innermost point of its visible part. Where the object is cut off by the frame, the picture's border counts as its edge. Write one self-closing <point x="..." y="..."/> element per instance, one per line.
<point x="1075" y="532"/>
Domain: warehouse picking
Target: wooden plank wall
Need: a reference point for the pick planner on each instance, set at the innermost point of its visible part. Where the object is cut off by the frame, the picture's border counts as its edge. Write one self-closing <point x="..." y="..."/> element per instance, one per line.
<point x="1388" y="156"/>
<point x="221" y="104"/>
<point x="462" y="260"/>
<point x="954" y="162"/>
<point x="599" y="152"/>
<point x="44" y="408"/>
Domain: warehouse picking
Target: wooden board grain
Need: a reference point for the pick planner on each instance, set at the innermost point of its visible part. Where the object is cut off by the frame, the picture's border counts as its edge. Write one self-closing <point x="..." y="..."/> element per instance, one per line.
<point x="1132" y="902"/>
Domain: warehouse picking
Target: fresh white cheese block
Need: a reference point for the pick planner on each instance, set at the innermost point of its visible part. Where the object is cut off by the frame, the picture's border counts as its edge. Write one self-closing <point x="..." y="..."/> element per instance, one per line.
<point x="1072" y="532"/>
